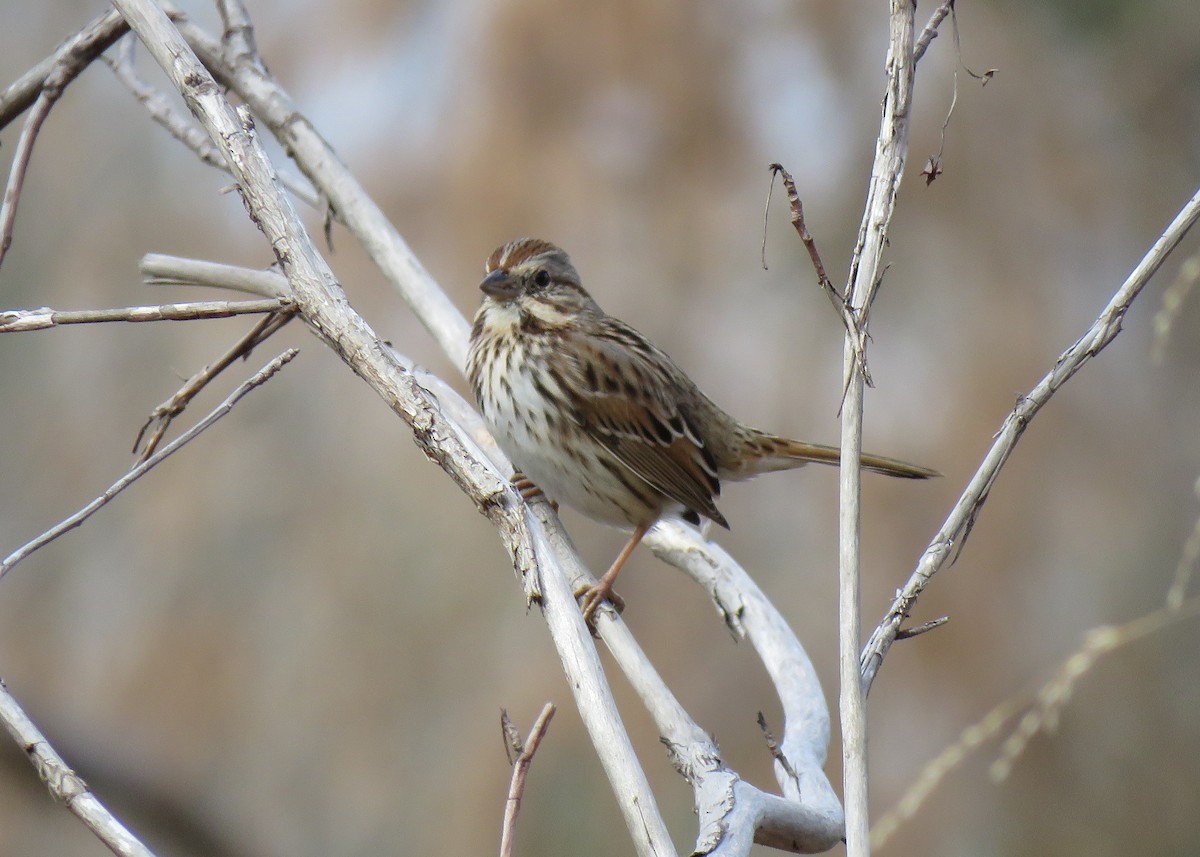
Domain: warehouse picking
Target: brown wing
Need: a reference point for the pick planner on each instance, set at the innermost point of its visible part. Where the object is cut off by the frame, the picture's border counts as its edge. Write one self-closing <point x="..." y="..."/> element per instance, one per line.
<point x="624" y="394"/>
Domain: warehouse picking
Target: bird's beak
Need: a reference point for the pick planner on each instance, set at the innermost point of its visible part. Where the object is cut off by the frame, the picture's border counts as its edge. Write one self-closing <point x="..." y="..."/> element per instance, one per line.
<point x="499" y="284"/>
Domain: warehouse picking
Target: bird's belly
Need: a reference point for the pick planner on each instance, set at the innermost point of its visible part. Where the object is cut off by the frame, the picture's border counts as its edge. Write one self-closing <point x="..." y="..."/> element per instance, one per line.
<point x="567" y="464"/>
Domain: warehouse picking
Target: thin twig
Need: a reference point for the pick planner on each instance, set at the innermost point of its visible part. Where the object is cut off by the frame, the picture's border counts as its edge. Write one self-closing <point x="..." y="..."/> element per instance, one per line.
<point x="524" y="759"/>
<point x="844" y="312"/>
<point x="953" y="531"/>
<point x="79" y="50"/>
<point x="1043" y="714"/>
<point x="14" y="320"/>
<point x="165" y="413"/>
<point x="931" y="29"/>
<point x="776" y="751"/>
<point x="918" y="630"/>
<point x="41" y="87"/>
<point x="64" y="784"/>
<point x="20" y="163"/>
<point x="145" y="466"/>
<point x="939" y="767"/>
<point x="1055" y="693"/>
<point x="349" y="201"/>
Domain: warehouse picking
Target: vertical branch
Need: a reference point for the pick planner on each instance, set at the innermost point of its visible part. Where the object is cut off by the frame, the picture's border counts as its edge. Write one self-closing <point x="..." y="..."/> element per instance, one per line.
<point x="891" y="152"/>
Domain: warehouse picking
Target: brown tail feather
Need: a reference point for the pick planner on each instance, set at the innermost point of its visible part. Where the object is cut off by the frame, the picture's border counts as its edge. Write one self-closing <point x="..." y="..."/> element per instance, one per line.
<point x="779" y="453"/>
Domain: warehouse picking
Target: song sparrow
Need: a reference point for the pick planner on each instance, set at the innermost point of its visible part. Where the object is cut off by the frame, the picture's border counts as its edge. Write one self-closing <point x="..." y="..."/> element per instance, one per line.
<point x="599" y="418"/>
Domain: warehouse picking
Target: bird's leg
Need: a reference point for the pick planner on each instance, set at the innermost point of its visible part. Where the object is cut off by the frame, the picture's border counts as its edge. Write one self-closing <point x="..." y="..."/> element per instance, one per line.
<point x="592" y="596"/>
<point x="528" y="490"/>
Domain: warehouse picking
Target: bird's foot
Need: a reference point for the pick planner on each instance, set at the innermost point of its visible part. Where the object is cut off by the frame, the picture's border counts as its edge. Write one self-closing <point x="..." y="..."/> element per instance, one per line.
<point x="591" y="597"/>
<point x="529" y="491"/>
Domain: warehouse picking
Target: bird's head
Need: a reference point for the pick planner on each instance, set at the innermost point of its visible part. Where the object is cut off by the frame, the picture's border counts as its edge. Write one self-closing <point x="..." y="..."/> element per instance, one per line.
<point x="533" y="282"/>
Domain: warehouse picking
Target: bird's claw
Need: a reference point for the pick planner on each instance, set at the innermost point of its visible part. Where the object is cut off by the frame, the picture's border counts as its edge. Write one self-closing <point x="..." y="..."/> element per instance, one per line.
<point x="591" y="597"/>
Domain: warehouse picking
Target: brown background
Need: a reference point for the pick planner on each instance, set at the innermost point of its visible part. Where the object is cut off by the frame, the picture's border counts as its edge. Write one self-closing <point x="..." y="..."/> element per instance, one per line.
<point x="295" y="636"/>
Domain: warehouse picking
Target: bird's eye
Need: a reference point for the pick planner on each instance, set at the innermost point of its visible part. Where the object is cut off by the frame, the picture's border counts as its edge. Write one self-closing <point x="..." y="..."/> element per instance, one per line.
<point x="542" y="278"/>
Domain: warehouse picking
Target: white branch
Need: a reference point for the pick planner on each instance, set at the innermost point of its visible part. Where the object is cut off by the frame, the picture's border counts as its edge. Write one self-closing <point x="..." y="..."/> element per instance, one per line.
<point x="158" y="269"/>
<point x="322" y="304"/>
<point x="891" y="151"/>
<point x="734" y="813"/>
<point x="365" y="220"/>
<point x="64" y="784"/>
<point x="958" y="524"/>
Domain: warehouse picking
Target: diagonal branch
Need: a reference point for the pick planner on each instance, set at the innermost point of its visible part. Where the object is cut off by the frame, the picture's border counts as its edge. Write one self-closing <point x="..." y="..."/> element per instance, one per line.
<point x="163" y="112"/>
<point x="165" y="413"/>
<point x="956" y="527"/>
<point x="323" y="305"/>
<point x="144" y="467"/>
<point x="64" y="784"/>
<point x="349" y="200"/>
<point x="76" y="53"/>
<point x="856" y="335"/>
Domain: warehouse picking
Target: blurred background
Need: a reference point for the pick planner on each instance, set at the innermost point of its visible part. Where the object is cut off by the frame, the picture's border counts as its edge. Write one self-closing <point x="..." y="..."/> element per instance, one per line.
<point x="295" y="636"/>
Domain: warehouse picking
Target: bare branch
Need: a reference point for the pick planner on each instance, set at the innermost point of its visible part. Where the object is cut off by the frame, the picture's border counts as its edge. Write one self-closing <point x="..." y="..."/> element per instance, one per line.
<point x="853" y="332"/>
<point x="64" y="784"/>
<point x="809" y="816"/>
<point x="73" y="55"/>
<point x="41" y="87"/>
<point x="323" y="305"/>
<point x="1102" y="331"/>
<point x="516" y="788"/>
<point x="909" y="633"/>
<point x="158" y="269"/>
<point x="321" y="164"/>
<point x="39" y="319"/>
<point x="163" y="112"/>
<point x="866" y="266"/>
<point x="238" y="35"/>
<point x="20" y="163"/>
<point x="165" y="413"/>
<point x="144" y="467"/>
<point x="931" y="29"/>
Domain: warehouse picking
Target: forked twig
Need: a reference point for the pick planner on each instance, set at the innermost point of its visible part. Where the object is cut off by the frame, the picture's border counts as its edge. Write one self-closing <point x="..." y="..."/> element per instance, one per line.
<point x="165" y="413"/>
<point x="524" y="758"/>
<point x="146" y="465"/>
